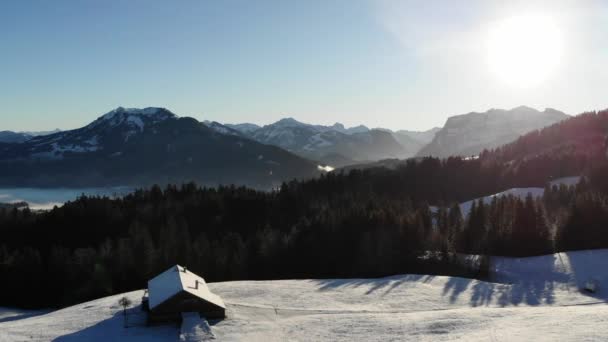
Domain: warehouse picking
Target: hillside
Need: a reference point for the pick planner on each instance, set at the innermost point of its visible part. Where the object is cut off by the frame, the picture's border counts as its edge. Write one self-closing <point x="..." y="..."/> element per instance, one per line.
<point x="584" y="135"/>
<point x="470" y="134"/>
<point x="535" y="298"/>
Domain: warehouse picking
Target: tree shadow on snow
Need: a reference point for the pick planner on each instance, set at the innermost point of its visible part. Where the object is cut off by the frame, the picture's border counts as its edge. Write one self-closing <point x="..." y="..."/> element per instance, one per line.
<point x="588" y="267"/>
<point x="455" y="287"/>
<point x="24" y="316"/>
<point x="387" y="285"/>
<point x="112" y="329"/>
<point x="530" y="281"/>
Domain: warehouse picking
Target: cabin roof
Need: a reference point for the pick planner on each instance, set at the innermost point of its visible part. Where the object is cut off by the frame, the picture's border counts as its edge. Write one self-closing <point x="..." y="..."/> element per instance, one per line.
<point x="175" y="280"/>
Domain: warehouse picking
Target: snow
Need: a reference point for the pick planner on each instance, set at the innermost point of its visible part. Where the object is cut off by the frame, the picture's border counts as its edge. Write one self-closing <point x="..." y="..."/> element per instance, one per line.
<point x="58" y="150"/>
<point x="571" y="270"/>
<point x="194" y="328"/>
<point x="288" y="122"/>
<point x="136" y="121"/>
<point x="246" y="128"/>
<point x="134" y="118"/>
<point x="536" y="298"/>
<point x="148" y="111"/>
<point x="325" y="168"/>
<point x="222" y="129"/>
<point x="11" y="314"/>
<point x="175" y="280"/>
<point x="568" y="181"/>
<point x="521" y="193"/>
<point x="94" y="141"/>
<point x="99" y="320"/>
<point x="316" y="141"/>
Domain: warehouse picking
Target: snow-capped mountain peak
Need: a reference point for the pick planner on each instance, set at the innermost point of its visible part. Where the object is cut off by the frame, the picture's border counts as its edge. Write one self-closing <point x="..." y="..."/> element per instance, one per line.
<point x="150" y="112"/>
<point x="288" y="122"/>
<point x="135" y="118"/>
<point x="351" y="130"/>
<point x="113" y="128"/>
<point x="338" y="127"/>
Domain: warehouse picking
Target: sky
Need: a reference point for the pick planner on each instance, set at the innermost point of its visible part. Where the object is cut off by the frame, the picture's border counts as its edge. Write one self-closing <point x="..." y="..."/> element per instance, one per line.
<point x="396" y="64"/>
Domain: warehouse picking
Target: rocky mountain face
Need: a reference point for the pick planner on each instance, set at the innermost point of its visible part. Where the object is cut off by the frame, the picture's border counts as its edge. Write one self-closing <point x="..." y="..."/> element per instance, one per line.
<point x="470" y="134"/>
<point x="334" y="145"/>
<point x="146" y="146"/>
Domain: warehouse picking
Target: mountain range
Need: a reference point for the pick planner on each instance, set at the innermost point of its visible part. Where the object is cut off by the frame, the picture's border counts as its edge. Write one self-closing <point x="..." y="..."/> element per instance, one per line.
<point x="145" y="146"/>
<point x="333" y="145"/>
<point x="19" y="137"/>
<point x="463" y="135"/>
<point x="153" y="145"/>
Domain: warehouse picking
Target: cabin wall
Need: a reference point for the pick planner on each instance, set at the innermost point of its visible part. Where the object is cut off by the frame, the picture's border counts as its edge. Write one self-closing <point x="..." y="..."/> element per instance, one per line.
<point x="171" y="309"/>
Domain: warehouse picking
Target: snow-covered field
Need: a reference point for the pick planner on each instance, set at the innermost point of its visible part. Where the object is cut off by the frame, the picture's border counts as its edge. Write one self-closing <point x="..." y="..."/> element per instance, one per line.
<point x="11" y="314"/>
<point x="537" y="299"/>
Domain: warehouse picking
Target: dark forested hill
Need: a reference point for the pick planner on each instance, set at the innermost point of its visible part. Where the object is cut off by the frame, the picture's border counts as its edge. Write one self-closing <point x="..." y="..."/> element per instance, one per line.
<point x="582" y="135"/>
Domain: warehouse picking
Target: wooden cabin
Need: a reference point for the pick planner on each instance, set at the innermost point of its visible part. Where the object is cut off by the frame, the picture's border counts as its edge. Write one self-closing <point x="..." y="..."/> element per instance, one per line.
<point x="178" y="290"/>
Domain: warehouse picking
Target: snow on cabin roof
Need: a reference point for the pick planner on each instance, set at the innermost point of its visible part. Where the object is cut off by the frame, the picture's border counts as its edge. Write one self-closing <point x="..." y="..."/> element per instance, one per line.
<point x="176" y="280"/>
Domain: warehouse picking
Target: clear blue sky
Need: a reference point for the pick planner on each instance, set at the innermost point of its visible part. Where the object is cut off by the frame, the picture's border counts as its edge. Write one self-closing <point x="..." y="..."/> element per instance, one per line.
<point x="396" y="64"/>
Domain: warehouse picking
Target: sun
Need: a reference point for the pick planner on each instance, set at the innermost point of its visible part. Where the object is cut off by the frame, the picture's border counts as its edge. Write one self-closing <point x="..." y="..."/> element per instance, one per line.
<point x="524" y="50"/>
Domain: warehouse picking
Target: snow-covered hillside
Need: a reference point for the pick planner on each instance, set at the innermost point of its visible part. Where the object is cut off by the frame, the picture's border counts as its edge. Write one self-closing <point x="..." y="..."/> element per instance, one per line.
<point x="12" y="314"/>
<point x="465" y="207"/>
<point x="538" y="299"/>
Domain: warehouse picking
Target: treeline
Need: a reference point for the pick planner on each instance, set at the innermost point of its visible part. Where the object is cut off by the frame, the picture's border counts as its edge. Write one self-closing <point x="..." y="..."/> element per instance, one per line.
<point x="95" y="247"/>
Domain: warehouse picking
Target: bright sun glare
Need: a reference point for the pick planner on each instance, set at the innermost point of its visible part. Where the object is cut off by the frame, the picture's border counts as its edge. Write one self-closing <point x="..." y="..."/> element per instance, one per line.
<point x="524" y="50"/>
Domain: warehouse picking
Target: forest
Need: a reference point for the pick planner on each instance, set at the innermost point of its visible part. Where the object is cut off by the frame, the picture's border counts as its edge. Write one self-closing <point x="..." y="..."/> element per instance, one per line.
<point x="361" y="223"/>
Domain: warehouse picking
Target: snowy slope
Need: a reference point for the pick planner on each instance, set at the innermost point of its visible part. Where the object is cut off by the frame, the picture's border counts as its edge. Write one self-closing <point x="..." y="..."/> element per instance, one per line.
<point x="538" y="299"/>
<point x="12" y="314"/>
<point x="465" y="207"/>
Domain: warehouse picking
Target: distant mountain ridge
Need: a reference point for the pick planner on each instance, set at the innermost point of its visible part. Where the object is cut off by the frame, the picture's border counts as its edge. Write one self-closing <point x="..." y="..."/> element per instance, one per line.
<point x="469" y="134"/>
<point x="19" y="137"/>
<point x="13" y="137"/>
<point x="145" y="146"/>
<point x="335" y="145"/>
<point x="129" y="146"/>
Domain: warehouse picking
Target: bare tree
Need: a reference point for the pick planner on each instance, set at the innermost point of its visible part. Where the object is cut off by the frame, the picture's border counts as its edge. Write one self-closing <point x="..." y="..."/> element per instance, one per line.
<point x="125" y="303"/>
